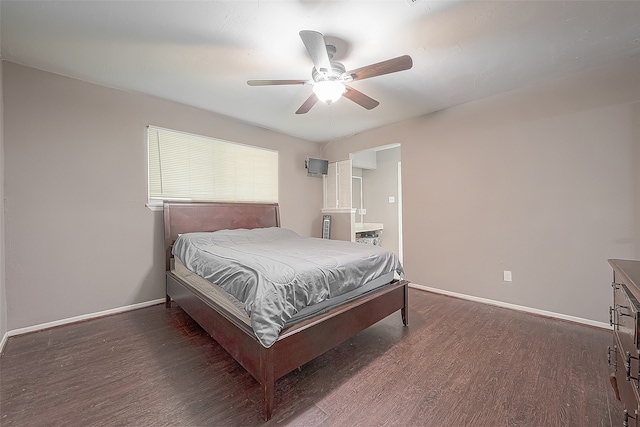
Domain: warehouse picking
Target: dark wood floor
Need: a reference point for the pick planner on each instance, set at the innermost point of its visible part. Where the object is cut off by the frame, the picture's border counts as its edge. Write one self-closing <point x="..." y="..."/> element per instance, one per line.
<point x="459" y="363"/>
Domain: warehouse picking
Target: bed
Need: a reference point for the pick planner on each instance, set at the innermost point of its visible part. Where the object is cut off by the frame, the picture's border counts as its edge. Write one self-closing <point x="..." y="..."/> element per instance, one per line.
<point x="295" y="344"/>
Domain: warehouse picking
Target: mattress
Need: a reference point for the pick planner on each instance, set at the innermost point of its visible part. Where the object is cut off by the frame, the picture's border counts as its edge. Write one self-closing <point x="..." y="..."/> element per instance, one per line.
<point x="278" y="277"/>
<point x="212" y="292"/>
<point x="235" y="308"/>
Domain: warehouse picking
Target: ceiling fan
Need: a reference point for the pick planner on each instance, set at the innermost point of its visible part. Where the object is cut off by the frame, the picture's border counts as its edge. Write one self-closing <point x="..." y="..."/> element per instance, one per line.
<point x="329" y="78"/>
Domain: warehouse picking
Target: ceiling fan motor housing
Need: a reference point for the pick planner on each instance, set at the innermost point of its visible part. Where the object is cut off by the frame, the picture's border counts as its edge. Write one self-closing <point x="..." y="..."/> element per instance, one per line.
<point x="337" y="70"/>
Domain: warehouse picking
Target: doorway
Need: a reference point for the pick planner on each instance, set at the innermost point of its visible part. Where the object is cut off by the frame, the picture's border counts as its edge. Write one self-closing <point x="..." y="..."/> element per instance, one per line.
<point x="377" y="171"/>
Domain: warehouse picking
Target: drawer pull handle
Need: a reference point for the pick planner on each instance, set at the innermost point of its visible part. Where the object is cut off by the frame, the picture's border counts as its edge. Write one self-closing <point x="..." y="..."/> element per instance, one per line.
<point x="611" y="323"/>
<point x="609" y="349"/>
<point x="618" y="307"/>
<point x="627" y="366"/>
<point x="625" y="420"/>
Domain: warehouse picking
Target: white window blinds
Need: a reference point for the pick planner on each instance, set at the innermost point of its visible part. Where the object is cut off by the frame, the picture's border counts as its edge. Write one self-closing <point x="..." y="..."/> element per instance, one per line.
<point x="191" y="167"/>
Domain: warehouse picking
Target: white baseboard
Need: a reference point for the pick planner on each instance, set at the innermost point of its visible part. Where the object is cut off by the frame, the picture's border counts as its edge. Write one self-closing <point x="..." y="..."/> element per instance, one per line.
<point x="4" y="340"/>
<point x="69" y="320"/>
<point x="574" y="319"/>
<point x="75" y="319"/>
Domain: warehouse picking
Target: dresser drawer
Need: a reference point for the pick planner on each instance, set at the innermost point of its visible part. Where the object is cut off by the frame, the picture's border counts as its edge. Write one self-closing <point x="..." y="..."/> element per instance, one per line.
<point x="624" y="317"/>
<point x="626" y="390"/>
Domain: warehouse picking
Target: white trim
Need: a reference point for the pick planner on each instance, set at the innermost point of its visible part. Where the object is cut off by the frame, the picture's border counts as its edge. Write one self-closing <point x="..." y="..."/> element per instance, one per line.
<point x="34" y="328"/>
<point x="574" y="319"/>
<point x="339" y="210"/>
<point x="75" y="319"/>
<point x="4" y="341"/>
<point x="400" y="239"/>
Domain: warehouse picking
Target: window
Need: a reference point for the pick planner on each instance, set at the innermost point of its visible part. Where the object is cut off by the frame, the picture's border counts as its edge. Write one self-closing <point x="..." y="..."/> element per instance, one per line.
<point x="191" y="167"/>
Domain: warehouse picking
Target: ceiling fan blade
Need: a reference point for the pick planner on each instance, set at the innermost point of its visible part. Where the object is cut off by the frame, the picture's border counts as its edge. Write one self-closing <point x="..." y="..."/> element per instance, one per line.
<point x="394" y="65"/>
<point x="360" y="98"/>
<point x="275" y="82"/>
<point x="306" y="106"/>
<point x="317" y="48"/>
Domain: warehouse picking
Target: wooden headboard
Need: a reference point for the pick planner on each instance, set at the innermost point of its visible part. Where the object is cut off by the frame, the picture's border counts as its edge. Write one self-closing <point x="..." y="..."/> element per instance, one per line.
<point x="186" y="217"/>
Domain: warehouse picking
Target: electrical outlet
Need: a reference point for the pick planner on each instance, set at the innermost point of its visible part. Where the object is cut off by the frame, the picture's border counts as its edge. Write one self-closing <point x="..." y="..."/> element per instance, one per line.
<point x="507" y="276"/>
<point x="392" y="199"/>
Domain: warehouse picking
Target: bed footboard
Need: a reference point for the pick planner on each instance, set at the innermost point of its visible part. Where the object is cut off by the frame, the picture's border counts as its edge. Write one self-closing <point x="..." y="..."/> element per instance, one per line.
<point x="297" y="344"/>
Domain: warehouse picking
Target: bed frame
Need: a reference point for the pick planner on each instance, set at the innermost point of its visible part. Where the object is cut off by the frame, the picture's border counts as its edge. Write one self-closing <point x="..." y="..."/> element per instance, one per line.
<point x="297" y="344"/>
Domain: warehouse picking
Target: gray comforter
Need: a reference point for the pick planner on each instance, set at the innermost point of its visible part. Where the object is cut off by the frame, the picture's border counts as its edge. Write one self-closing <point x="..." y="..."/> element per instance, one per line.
<point x="275" y="272"/>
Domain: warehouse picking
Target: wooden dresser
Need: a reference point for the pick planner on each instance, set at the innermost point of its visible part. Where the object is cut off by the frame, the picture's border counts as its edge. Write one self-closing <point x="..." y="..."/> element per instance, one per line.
<point x="623" y="354"/>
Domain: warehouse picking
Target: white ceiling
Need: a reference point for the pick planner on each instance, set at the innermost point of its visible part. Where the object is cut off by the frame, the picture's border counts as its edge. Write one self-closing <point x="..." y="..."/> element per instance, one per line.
<point x="201" y="53"/>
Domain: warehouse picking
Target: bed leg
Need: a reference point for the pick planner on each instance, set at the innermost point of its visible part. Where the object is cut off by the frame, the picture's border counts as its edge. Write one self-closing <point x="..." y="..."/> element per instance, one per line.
<point x="269" y="391"/>
<point x="167" y="301"/>
<point x="268" y="382"/>
<point x="405" y="310"/>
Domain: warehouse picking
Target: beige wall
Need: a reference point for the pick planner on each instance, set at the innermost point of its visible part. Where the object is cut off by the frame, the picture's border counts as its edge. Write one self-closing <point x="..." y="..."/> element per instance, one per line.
<point x="342" y="225"/>
<point x="3" y="299"/>
<point x="79" y="238"/>
<point x="541" y="181"/>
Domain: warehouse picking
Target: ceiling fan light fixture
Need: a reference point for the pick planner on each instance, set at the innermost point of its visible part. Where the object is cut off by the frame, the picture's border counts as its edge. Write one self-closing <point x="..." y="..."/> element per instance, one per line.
<point x="330" y="78"/>
<point x="328" y="91"/>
